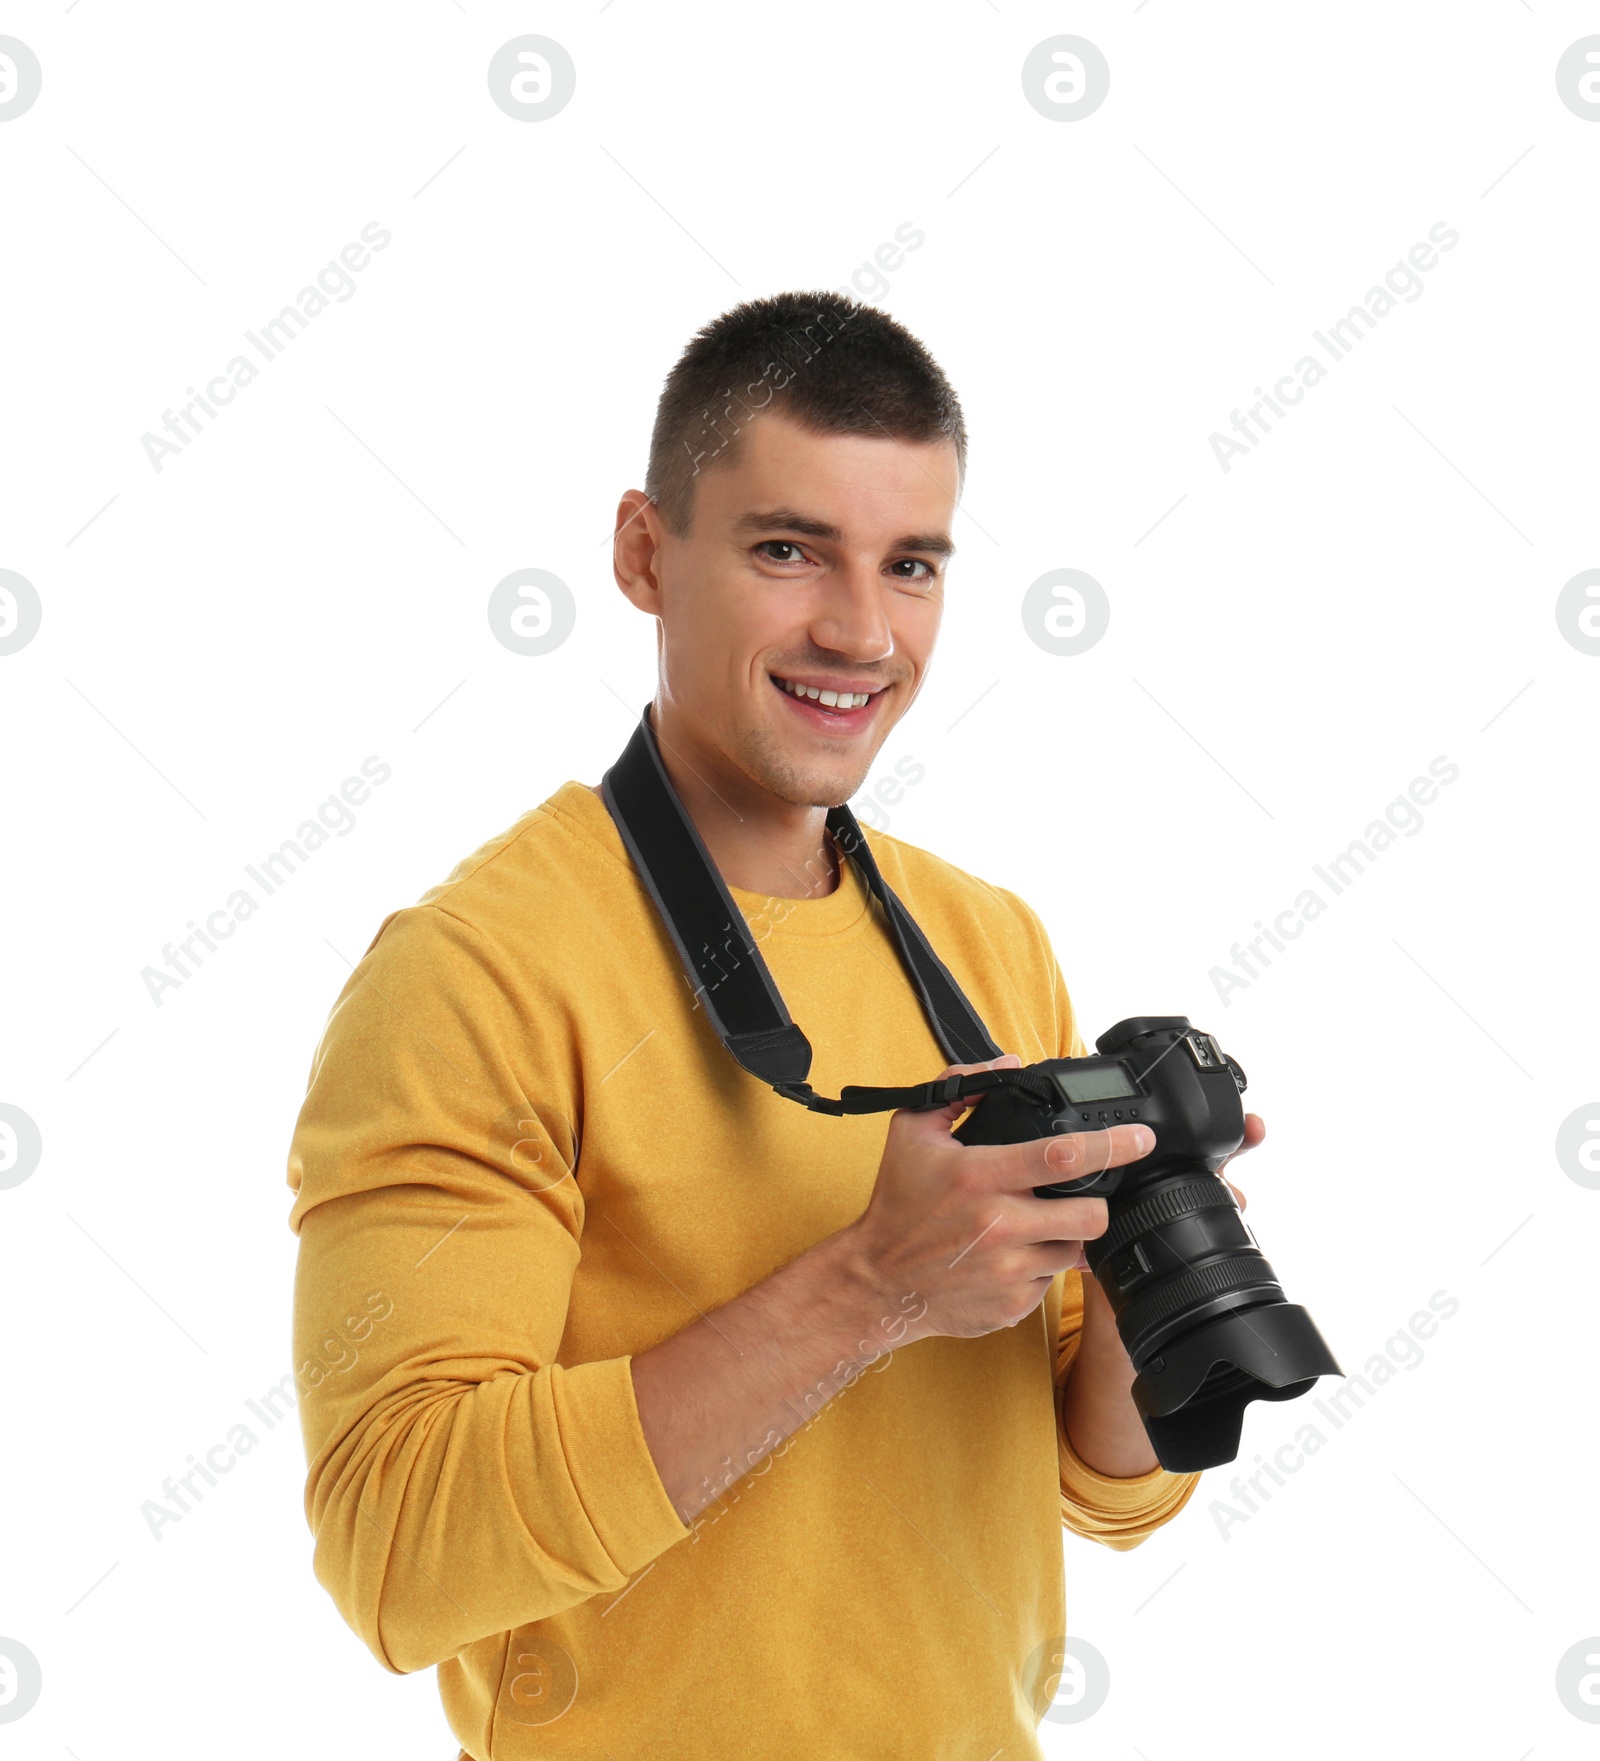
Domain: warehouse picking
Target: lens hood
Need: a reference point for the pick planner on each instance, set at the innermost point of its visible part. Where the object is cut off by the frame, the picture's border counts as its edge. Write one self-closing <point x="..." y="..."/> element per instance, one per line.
<point x="1193" y="1392"/>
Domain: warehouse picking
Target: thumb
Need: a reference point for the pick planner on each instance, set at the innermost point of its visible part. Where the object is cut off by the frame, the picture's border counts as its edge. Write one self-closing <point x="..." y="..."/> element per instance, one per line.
<point x="947" y="1115"/>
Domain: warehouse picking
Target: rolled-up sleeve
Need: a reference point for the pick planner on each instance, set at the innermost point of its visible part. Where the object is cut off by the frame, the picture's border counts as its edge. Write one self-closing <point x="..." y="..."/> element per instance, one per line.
<point x="461" y="1482"/>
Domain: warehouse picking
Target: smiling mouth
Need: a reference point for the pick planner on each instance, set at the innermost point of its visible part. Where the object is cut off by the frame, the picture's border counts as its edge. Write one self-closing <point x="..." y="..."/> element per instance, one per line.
<point x="827" y="708"/>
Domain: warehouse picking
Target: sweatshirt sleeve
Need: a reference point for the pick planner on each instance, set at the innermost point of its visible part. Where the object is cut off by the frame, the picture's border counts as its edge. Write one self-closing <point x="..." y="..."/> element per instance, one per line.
<point x="1119" y="1513"/>
<point x="460" y="1482"/>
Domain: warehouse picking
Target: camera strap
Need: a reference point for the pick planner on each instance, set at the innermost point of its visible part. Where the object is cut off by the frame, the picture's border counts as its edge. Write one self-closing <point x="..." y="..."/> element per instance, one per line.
<point x="731" y="979"/>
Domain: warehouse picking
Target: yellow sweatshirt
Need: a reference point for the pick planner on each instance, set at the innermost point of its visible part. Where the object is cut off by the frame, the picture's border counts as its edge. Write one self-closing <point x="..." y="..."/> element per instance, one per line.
<point x="524" y="1155"/>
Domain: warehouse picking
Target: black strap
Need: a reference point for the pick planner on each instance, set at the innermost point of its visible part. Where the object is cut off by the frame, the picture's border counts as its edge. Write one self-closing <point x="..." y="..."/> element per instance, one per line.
<point x="724" y="965"/>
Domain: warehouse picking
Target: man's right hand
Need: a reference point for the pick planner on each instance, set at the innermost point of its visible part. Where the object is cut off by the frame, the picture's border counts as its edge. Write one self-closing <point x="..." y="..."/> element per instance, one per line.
<point x="958" y="1226"/>
<point x="952" y="1242"/>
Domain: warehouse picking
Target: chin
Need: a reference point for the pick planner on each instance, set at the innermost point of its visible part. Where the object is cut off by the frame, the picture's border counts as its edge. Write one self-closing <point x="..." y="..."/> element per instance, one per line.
<point x="822" y="791"/>
<point x="811" y="787"/>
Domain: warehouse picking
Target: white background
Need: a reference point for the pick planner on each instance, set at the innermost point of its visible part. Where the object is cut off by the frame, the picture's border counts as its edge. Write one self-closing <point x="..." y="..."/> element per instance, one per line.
<point x="1291" y="642"/>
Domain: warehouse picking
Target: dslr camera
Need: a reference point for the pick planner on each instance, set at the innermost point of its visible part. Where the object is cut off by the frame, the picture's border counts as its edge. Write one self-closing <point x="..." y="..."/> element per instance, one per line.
<point x="1199" y="1309"/>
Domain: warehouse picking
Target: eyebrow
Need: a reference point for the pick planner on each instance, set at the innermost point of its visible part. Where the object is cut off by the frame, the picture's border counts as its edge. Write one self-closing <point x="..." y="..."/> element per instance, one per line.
<point x="791" y="520"/>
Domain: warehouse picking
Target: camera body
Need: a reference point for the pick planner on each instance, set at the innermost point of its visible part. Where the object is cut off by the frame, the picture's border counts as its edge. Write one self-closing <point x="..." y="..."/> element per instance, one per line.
<point x="1198" y="1308"/>
<point x="1177" y="1080"/>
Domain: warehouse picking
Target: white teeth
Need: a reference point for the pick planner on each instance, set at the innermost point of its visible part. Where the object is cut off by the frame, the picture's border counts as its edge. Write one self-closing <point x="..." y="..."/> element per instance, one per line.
<point x="831" y="699"/>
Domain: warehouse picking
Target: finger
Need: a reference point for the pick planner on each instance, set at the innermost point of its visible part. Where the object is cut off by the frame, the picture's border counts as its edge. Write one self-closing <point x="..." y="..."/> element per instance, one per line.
<point x="1078" y="1153"/>
<point x="952" y="1110"/>
<point x="1047" y="1256"/>
<point x="941" y="1120"/>
<point x="1005" y="1061"/>
<point x="1059" y="1221"/>
<point x="1054" y="1257"/>
<point x="1255" y="1131"/>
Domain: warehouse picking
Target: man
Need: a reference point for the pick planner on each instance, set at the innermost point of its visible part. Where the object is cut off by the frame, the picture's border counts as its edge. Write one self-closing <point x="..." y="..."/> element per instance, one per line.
<point x="696" y="1423"/>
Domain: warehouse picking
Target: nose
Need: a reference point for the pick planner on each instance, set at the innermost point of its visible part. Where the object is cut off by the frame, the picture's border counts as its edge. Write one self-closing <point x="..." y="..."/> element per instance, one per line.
<point x="853" y="617"/>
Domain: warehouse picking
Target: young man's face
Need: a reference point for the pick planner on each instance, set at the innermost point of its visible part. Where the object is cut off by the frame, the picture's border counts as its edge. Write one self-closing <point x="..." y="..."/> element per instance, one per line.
<point x="811" y="558"/>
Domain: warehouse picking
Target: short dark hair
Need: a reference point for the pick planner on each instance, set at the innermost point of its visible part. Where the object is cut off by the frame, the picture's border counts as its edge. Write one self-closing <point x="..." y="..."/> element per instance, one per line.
<point x="827" y="361"/>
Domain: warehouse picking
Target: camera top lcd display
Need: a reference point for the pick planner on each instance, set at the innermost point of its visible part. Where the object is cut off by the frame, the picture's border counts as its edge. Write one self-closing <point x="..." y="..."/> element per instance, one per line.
<point x="1109" y="1083"/>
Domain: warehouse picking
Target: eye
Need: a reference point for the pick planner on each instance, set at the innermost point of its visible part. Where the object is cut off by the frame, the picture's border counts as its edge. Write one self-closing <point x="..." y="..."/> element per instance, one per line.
<point x="771" y="544"/>
<point x="916" y="562"/>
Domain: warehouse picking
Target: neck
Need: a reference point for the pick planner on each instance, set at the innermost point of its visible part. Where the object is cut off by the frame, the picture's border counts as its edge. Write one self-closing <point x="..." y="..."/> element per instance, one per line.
<point x="759" y="842"/>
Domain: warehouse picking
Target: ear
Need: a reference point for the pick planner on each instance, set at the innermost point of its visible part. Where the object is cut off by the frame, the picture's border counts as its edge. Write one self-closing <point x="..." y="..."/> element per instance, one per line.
<point x="635" y="549"/>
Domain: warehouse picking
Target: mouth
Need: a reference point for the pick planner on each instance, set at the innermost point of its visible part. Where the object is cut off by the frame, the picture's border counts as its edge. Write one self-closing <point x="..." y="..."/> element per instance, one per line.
<point x="849" y="712"/>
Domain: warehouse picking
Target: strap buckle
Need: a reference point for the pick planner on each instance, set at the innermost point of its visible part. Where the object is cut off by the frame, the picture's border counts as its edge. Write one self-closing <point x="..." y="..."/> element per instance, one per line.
<point x="807" y="1096"/>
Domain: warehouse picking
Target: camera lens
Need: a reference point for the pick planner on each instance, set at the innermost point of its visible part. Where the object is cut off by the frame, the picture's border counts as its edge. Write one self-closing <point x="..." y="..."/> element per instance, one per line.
<point x="1201" y="1313"/>
<point x="1199" y="1308"/>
